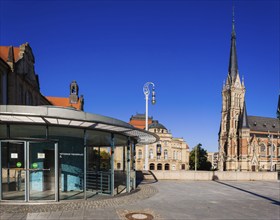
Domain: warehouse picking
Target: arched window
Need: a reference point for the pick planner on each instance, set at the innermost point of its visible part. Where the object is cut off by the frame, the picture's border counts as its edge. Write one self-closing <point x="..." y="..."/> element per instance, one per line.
<point x="165" y="154"/>
<point x="139" y="154"/>
<point x="152" y="166"/>
<point x="151" y="154"/>
<point x="271" y="148"/>
<point x="159" y="166"/>
<point x="166" y="166"/>
<point x="183" y="166"/>
<point x="118" y="166"/>
<point x="262" y="150"/>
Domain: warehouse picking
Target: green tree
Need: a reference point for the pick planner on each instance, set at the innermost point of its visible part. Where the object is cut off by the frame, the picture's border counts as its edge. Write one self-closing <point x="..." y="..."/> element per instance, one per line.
<point x="201" y="158"/>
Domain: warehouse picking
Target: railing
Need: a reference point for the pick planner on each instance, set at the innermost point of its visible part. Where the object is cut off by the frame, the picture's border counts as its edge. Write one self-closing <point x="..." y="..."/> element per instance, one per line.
<point x="99" y="181"/>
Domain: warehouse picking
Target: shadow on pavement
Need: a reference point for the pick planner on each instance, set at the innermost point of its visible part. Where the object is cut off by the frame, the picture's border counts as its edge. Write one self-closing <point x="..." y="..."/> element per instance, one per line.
<point x="145" y="177"/>
<point x="275" y="202"/>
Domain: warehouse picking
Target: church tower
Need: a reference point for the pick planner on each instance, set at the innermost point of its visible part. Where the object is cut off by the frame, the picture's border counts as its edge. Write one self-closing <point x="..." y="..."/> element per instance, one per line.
<point x="74" y="92"/>
<point x="233" y="94"/>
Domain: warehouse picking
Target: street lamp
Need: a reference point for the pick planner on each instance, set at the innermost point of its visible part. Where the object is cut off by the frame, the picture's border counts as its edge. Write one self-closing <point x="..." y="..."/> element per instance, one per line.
<point x="147" y="93"/>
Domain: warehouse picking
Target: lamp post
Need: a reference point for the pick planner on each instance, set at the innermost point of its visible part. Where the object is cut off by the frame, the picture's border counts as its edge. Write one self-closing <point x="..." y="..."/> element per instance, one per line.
<point x="147" y="93"/>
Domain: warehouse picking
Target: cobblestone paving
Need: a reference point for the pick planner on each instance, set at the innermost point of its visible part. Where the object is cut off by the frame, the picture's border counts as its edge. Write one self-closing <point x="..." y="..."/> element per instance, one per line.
<point x="143" y="192"/>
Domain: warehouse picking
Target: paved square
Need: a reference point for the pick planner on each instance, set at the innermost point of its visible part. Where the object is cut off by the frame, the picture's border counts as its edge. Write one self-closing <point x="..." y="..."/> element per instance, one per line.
<point x="170" y="200"/>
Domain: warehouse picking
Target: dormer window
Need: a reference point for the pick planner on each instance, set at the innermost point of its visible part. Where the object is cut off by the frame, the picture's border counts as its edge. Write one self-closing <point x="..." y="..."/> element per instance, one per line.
<point x="255" y="123"/>
<point x="264" y="124"/>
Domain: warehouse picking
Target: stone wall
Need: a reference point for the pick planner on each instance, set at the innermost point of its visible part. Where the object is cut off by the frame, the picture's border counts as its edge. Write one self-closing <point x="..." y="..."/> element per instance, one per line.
<point x="213" y="175"/>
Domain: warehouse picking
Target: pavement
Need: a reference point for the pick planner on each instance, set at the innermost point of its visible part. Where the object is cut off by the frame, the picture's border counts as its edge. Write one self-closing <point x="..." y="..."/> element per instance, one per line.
<point x="166" y="199"/>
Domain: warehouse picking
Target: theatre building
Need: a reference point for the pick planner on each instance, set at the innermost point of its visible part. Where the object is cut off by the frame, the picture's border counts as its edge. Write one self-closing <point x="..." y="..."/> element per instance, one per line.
<point x="168" y="153"/>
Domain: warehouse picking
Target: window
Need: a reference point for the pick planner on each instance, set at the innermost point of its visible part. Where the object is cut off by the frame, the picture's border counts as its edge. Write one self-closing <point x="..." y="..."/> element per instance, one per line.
<point x="139" y="154"/>
<point x="159" y="166"/>
<point x="262" y="150"/>
<point x="118" y="166"/>
<point x="165" y="154"/>
<point x="273" y="150"/>
<point x="183" y="166"/>
<point x="152" y="166"/>
<point x="151" y="154"/>
<point x="174" y="155"/>
<point x="166" y="166"/>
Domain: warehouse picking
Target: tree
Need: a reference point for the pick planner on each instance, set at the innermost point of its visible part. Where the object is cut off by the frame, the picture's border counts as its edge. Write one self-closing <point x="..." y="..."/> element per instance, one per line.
<point x="199" y="155"/>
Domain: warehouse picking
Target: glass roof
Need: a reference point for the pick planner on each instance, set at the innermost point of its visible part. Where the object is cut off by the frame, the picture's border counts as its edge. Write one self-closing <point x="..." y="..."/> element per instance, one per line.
<point x="52" y="115"/>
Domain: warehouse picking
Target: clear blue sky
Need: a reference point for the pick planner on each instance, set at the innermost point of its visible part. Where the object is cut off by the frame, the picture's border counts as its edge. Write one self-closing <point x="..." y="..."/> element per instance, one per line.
<point x="112" y="48"/>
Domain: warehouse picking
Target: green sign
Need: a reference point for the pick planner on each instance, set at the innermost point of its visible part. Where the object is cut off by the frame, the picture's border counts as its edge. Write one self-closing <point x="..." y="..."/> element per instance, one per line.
<point x="34" y="165"/>
<point x="18" y="164"/>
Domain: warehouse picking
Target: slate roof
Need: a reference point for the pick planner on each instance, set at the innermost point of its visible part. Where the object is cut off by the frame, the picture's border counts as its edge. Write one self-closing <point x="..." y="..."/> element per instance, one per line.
<point x="140" y="116"/>
<point x="155" y="124"/>
<point x="244" y="118"/>
<point x="257" y="123"/>
<point x="233" y="66"/>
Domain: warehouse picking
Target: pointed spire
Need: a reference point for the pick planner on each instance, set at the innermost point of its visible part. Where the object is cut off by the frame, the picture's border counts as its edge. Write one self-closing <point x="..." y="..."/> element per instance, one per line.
<point x="11" y="55"/>
<point x="233" y="34"/>
<point x="244" y="118"/>
<point x="278" y="107"/>
<point x="233" y="67"/>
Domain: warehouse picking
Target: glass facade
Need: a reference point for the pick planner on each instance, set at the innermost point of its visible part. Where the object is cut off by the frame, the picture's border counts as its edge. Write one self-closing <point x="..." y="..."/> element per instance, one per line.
<point x="53" y="154"/>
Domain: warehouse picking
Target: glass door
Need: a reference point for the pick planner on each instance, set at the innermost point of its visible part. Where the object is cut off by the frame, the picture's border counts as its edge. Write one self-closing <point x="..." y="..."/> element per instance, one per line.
<point x="13" y="170"/>
<point x="42" y="171"/>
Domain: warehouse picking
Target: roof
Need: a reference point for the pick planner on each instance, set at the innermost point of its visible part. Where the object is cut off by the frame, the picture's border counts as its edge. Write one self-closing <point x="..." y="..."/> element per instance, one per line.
<point x="4" y="53"/>
<point x="64" y="102"/>
<point x="155" y="124"/>
<point x="61" y="117"/>
<point x="264" y="124"/>
<point x="140" y="116"/>
<point x="244" y="118"/>
<point x="139" y="121"/>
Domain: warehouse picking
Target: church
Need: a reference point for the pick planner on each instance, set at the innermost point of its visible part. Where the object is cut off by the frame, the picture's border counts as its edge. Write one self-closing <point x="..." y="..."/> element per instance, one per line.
<point x="246" y="143"/>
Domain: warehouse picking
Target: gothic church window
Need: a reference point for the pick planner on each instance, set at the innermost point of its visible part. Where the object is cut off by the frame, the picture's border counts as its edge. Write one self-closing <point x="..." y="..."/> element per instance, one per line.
<point x="262" y="150"/>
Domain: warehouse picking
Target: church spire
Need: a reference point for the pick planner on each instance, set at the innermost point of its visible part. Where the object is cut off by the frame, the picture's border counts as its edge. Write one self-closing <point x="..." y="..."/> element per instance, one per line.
<point x="244" y="118"/>
<point x="233" y="67"/>
<point x="278" y="107"/>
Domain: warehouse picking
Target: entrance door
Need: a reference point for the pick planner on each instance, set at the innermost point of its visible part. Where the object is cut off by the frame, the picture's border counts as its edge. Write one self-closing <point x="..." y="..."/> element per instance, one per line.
<point x="29" y="170"/>
<point x="13" y="170"/>
<point x="42" y="182"/>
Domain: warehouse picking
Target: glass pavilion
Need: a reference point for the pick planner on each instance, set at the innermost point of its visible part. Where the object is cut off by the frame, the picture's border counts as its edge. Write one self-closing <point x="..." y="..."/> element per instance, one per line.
<point x="50" y="153"/>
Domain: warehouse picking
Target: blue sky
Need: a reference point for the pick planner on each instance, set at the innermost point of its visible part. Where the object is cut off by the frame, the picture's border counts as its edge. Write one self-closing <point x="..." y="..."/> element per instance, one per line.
<point x="112" y="48"/>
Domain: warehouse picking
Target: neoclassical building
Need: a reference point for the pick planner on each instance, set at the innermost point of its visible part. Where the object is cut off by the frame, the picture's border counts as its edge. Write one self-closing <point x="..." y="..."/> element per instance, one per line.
<point x="246" y="143"/>
<point x="169" y="153"/>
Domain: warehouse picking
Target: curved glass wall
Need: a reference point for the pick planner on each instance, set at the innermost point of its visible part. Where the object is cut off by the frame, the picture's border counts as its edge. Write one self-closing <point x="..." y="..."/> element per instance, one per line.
<point x="52" y="154"/>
